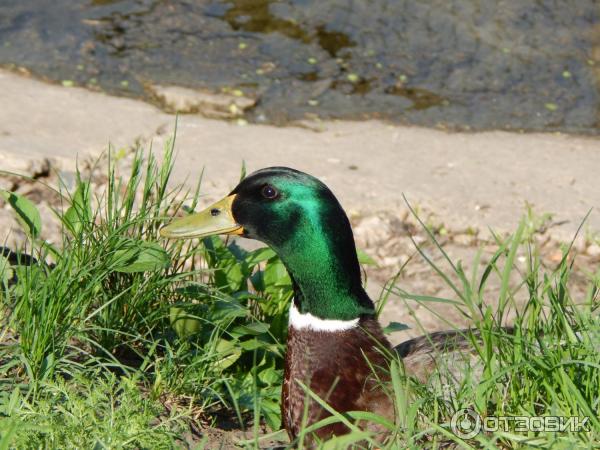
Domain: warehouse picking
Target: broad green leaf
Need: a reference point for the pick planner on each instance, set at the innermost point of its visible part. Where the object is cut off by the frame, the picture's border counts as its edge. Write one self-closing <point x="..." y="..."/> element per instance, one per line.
<point x="238" y="252"/>
<point x="215" y="250"/>
<point x="228" y="310"/>
<point x="228" y="274"/>
<point x="275" y="274"/>
<point x="259" y="255"/>
<point x="257" y="343"/>
<point x="139" y="256"/>
<point x="233" y="276"/>
<point x="271" y="411"/>
<point x="251" y="344"/>
<point x="80" y="211"/>
<point x="184" y="323"/>
<point x="228" y="352"/>
<point x="270" y="376"/>
<point x="27" y="213"/>
<point x="258" y="280"/>
<point x="254" y="329"/>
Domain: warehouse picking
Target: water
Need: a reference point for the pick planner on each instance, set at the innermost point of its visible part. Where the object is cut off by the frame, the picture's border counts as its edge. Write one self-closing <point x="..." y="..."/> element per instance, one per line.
<point x="466" y="64"/>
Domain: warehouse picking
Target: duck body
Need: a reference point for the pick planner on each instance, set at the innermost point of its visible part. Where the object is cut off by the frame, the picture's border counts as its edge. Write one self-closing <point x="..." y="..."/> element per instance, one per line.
<point x="335" y="345"/>
<point x="343" y="367"/>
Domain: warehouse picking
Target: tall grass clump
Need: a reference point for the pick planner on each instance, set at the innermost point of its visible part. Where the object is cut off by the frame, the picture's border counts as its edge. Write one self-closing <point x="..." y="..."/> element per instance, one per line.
<point x="197" y="325"/>
<point x="103" y="287"/>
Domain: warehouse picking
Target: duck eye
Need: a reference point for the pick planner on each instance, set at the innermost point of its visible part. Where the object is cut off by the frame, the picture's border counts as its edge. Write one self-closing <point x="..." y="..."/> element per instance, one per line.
<point x="269" y="192"/>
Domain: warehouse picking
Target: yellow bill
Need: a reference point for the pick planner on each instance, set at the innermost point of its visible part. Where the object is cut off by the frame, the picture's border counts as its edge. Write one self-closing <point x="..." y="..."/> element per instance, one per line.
<point x="216" y="219"/>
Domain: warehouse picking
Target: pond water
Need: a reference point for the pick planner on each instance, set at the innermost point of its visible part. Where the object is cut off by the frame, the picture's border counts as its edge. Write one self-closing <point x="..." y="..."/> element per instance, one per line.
<point x="467" y="64"/>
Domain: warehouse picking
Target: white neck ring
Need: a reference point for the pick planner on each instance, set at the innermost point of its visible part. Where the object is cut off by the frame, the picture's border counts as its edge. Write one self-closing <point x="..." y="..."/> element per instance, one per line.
<point x="307" y="321"/>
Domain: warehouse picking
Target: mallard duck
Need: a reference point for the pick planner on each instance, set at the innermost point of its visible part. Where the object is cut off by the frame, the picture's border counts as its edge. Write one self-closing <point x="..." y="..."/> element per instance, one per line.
<point x="335" y="344"/>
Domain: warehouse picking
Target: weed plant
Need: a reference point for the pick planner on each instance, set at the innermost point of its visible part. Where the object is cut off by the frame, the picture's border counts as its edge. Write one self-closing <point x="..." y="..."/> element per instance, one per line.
<point x="181" y="321"/>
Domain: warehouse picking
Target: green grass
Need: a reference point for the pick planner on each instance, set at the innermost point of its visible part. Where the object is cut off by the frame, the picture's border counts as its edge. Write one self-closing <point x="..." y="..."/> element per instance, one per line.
<point x="100" y="410"/>
<point x="115" y="338"/>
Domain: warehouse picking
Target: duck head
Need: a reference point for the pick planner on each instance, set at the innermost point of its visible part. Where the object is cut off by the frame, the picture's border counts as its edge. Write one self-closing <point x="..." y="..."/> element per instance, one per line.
<point x="301" y="220"/>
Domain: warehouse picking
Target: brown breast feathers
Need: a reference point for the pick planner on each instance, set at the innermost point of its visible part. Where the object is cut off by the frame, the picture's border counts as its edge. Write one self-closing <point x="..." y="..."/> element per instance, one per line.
<point x="334" y="365"/>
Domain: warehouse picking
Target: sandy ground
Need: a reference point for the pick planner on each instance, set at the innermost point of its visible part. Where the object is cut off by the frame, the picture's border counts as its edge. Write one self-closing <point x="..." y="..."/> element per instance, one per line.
<point x="469" y="183"/>
<point x="477" y="180"/>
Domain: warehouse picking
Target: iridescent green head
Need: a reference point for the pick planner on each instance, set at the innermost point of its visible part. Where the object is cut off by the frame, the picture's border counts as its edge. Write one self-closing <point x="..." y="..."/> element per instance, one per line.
<point x="300" y="219"/>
